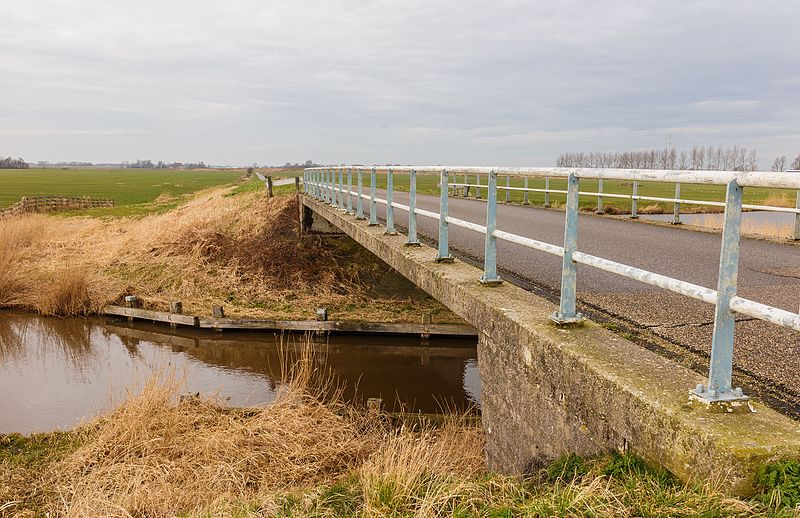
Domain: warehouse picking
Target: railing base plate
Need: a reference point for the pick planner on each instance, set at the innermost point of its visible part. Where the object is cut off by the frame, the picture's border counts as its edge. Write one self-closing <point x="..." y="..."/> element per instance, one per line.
<point x="446" y="260"/>
<point x="558" y="319"/>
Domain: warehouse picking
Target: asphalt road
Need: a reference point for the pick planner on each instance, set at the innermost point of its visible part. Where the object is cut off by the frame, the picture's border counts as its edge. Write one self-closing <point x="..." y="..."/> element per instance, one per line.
<point x="766" y="357"/>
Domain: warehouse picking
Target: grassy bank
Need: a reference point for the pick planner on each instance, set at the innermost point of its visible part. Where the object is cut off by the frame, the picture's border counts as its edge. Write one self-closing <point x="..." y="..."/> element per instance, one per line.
<point x="230" y="247"/>
<point x="310" y="454"/>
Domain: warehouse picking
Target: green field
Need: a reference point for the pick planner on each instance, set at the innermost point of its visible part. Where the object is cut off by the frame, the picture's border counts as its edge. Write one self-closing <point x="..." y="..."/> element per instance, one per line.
<point x="755" y="196"/>
<point x="125" y="186"/>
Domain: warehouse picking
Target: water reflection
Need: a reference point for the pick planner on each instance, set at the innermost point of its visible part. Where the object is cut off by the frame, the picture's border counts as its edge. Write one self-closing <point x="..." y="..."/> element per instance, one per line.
<point x="56" y="372"/>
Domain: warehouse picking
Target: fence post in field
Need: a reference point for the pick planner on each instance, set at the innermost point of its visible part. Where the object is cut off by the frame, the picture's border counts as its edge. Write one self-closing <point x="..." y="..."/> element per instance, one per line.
<point x="269" y="186"/>
<point x="297" y="183"/>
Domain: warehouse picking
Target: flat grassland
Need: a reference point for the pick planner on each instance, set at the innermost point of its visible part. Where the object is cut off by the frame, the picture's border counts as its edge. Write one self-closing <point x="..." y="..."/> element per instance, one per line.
<point x="125" y="186"/>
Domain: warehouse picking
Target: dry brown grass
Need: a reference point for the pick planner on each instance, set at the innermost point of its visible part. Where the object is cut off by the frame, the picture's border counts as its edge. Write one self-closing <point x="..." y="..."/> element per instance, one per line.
<point x="778" y="199"/>
<point x="243" y="252"/>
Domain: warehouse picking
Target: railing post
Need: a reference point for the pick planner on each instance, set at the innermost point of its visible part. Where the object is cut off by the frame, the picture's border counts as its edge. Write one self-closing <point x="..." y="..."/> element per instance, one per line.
<point x="490" y="277"/>
<point x="305" y="181"/>
<point x="341" y="188"/>
<point x="466" y="185"/>
<point x="525" y="193"/>
<point x="676" y="217"/>
<point x="443" y="255"/>
<point x="600" y="196"/>
<point x="334" y="193"/>
<point x="547" y="191"/>
<point x="360" y="201"/>
<point x="635" y="201"/>
<point x="389" y="200"/>
<point x="318" y="191"/>
<point x="796" y="235"/>
<point x="508" y="191"/>
<point x="477" y="186"/>
<point x="412" y="239"/>
<point x="373" y="205"/>
<point x="721" y="365"/>
<point x="349" y="190"/>
<point x="566" y="313"/>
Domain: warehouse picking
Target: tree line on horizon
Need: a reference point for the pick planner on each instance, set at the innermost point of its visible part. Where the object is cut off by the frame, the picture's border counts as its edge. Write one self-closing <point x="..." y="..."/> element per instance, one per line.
<point x="699" y="158"/>
<point x="12" y="163"/>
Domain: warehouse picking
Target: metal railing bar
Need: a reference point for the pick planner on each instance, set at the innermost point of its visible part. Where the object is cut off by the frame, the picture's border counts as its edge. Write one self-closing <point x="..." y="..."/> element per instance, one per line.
<point x="466" y="224"/>
<point x="764" y="312"/>
<point x="654" y="279"/>
<point x="780" y="180"/>
<point x="529" y="243"/>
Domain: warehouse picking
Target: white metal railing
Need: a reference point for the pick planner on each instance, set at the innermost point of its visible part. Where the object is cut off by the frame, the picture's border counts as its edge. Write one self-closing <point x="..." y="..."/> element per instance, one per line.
<point x="320" y="182"/>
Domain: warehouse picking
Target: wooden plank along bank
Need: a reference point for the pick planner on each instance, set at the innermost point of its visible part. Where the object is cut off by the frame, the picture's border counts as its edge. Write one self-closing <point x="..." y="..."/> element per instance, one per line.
<point x="220" y="323"/>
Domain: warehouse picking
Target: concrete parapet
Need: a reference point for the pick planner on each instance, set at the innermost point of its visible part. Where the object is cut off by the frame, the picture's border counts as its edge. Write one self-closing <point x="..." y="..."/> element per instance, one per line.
<point x="549" y="390"/>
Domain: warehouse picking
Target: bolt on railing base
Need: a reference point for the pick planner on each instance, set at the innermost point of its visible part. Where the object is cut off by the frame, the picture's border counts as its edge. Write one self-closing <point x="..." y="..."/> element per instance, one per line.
<point x="561" y="320"/>
<point x="491" y="283"/>
<point x="727" y="402"/>
<point x="448" y="259"/>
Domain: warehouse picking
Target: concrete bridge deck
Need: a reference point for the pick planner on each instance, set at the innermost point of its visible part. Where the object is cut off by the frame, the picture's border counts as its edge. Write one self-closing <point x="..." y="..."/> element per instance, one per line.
<point x="765" y="355"/>
<point x="549" y="390"/>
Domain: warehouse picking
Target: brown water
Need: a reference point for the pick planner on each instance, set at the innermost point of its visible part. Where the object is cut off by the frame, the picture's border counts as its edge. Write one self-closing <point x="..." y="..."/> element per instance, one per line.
<point x="55" y="373"/>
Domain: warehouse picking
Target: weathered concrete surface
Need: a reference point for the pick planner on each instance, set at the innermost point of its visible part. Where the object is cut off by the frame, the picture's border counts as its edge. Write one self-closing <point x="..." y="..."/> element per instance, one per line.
<point x="547" y="390"/>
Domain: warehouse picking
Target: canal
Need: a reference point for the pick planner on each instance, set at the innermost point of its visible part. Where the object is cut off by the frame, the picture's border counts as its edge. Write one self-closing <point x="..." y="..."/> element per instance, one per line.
<point x="56" y="373"/>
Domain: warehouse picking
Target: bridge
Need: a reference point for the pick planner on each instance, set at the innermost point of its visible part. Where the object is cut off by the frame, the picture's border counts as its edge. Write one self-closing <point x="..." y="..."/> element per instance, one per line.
<point x="554" y="382"/>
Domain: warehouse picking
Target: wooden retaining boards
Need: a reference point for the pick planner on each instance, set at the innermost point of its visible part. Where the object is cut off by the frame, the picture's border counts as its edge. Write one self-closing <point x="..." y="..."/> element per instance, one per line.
<point x="155" y="316"/>
<point x="292" y="325"/>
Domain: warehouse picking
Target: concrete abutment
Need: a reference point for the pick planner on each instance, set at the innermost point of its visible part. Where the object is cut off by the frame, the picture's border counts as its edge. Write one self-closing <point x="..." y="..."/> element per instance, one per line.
<point x="548" y="391"/>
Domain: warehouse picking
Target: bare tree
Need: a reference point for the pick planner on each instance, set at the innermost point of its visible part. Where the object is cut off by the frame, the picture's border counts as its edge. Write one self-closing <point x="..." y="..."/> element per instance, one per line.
<point x="796" y="163"/>
<point x="779" y="164"/>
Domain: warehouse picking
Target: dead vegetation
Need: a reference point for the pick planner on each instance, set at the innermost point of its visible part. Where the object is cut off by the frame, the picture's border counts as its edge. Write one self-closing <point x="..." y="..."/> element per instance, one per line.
<point x="309" y="454"/>
<point x="243" y="252"/>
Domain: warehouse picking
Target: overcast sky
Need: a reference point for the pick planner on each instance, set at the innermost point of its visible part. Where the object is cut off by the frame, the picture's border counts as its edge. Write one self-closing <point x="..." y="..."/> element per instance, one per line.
<point x="412" y="81"/>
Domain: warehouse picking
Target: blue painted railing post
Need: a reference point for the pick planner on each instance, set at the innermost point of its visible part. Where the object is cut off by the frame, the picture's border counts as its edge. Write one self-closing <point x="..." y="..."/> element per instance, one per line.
<point x="635" y="201"/>
<point x="508" y="191"/>
<point x="796" y="235"/>
<point x="547" y="191"/>
<point x="443" y="255"/>
<point x="478" y="186"/>
<point x="721" y="365"/>
<point x="360" y="201"/>
<point x="373" y="205"/>
<point x="490" y="277"/>
<point x="525" y="193"/>
<point x="600" y="196"/>
<point x="341" y="188"/>
<point x="412" y="239"/>
<point x="332" y="186"/>
<point x="349" y="190"/>
<point x="569" y="272"/>
<point x="676" y="216"/>
<point x="389" y="202"/>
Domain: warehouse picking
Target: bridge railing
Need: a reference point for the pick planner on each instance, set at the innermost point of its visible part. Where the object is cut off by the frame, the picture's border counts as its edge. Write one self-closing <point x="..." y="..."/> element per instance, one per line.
<point x="322" y="184"/>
